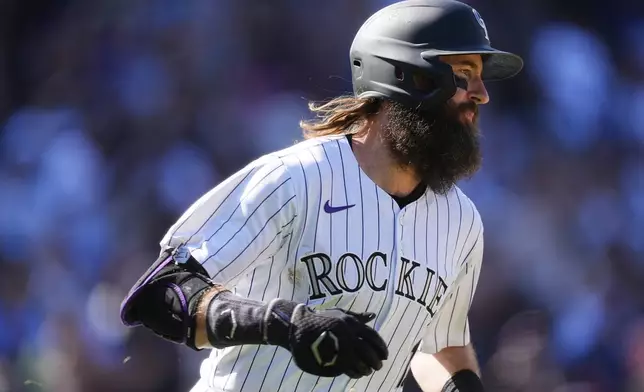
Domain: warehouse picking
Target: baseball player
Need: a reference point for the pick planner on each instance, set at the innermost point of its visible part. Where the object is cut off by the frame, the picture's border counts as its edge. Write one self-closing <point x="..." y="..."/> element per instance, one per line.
<point x="331" y="264"/>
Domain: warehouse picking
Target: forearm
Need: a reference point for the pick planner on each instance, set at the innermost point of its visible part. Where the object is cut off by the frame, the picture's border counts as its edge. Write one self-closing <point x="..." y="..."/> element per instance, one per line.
<point x="224" y="319"/>
<point x="434" y="371"/>
<point x="325" y="343"/>
<point x="458" y="358"/>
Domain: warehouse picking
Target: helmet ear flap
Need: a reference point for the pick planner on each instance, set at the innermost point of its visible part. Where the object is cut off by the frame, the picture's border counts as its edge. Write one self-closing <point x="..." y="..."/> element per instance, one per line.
<point x="439" y="81"/>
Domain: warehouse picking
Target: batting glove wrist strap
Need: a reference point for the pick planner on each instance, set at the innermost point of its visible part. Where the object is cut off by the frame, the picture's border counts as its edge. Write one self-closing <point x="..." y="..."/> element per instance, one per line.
<point x="325" y="343"/>
<point x="166" y="296"/>
<point x="464" y="381"/>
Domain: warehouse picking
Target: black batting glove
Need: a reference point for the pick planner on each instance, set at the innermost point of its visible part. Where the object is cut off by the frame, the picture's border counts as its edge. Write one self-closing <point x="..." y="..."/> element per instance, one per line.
<point x="332" y="342"/>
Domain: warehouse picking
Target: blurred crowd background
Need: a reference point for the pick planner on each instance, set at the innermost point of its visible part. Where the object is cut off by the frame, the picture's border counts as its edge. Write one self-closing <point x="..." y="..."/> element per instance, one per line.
<point x="115" y="115"/>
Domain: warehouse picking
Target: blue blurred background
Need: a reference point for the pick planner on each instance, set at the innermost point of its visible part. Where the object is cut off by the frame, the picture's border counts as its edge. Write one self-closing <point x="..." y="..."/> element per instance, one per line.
<point x="115" y="115"/>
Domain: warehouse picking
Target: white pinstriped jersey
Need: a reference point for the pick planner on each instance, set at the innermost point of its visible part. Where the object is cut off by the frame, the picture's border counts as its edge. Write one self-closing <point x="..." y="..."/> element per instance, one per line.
<point x="306" y="224"/>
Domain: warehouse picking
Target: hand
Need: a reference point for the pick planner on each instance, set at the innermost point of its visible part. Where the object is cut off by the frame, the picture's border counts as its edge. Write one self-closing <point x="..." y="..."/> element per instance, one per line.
<point x="332" y="342"/>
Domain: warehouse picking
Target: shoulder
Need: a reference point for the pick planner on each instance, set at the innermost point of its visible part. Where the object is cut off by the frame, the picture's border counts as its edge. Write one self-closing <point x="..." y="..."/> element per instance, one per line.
<point x="308" y="154"/>
<point x="287" y="170"/>
<point x="468" y="212"/>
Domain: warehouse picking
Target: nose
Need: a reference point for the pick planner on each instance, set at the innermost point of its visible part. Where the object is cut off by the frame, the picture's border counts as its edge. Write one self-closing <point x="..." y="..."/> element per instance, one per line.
<point x="477" y="92"/>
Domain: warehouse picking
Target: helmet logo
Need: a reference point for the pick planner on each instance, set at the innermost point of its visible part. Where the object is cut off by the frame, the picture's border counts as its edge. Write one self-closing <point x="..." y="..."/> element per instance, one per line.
<point x="481" y="22"/>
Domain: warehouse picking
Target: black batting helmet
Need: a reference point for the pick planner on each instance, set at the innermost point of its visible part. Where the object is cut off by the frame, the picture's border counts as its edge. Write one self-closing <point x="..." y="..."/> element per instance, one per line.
<point x="403" y="41"/>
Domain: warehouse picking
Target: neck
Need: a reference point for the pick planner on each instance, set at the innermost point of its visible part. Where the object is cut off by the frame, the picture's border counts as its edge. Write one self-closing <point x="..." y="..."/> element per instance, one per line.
<point x="375" y="159"/>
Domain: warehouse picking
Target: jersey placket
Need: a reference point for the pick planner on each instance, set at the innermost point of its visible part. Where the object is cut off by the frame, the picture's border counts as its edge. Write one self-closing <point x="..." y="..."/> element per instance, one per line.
<point x="403" y="228"/>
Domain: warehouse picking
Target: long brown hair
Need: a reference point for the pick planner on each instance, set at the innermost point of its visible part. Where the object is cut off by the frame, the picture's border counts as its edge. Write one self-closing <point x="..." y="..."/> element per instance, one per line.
<point x="339" y="115"/>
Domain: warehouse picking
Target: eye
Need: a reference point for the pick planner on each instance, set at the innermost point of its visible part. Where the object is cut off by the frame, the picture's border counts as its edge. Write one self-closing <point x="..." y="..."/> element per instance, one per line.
<point x="466" y="73"/>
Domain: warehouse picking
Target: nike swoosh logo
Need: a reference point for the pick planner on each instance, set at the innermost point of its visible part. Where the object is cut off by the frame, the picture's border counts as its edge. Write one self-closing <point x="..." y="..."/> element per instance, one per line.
<point x="330" y="210"/>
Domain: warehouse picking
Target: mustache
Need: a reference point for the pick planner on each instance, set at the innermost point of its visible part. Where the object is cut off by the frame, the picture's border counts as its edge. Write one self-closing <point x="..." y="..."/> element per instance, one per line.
<point x="468" y="107"/>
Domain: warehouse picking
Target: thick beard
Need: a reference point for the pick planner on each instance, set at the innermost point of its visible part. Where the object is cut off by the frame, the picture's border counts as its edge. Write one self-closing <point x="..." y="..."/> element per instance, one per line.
<point x="440" y="147"/>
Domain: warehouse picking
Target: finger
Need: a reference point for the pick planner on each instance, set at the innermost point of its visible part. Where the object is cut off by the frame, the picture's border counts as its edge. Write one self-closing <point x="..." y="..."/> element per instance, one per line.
<point x="361" y="368"/>
<point x="352" y="373"/>
<point x="368" y="355"/>
<point x="373" y="338"/>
